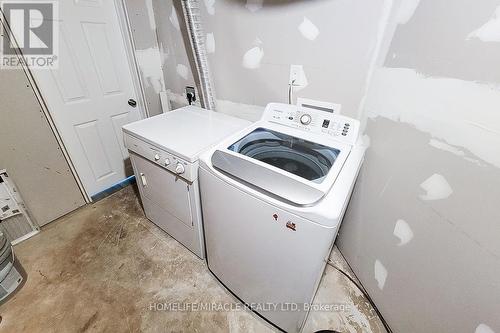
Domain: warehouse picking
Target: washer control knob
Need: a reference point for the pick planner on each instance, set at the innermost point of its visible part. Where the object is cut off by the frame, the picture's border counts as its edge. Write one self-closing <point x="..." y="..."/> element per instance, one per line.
<point x="179" y="168"/>
<point x="305" y="119"/>
<point x="167" y="162"/>
<point x="157" y="157"/>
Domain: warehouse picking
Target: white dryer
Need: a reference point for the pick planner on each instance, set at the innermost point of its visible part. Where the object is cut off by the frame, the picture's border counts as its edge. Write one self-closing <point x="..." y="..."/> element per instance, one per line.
<point x="273" y="198"/>
<point x="164" y="152"/>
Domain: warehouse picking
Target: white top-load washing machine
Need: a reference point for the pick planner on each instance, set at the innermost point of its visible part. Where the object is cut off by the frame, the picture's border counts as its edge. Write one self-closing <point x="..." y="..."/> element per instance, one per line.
<point x="164" y="152"/>
<point x="273" y="198"/>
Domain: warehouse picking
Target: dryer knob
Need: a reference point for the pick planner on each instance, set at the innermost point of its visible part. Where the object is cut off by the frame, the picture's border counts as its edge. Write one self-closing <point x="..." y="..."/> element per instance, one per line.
<point x="157" y="157"/>
<point x="167" y="162"/>
<point x="179" y="168"/>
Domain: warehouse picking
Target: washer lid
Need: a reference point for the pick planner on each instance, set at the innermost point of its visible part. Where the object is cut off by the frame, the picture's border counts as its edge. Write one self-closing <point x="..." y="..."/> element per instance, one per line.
<point x="296" y="170"/>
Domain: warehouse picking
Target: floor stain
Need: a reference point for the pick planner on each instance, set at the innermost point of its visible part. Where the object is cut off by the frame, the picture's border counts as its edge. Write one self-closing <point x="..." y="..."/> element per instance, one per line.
<point x="89" y="323"/>
<point x="106" y="268"/>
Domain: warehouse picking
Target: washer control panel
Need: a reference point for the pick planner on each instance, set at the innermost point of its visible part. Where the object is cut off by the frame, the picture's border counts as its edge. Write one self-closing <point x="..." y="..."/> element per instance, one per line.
<point x="310" y="120"/>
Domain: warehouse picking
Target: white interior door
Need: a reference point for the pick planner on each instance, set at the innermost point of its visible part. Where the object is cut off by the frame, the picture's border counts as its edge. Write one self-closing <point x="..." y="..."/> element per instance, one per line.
<point x="87" y="95"/>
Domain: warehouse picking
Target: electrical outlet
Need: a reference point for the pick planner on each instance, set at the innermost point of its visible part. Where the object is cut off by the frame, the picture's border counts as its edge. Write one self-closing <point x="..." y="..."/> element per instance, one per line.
<point x="190" y="95"/>
<point x="297" y="76"/>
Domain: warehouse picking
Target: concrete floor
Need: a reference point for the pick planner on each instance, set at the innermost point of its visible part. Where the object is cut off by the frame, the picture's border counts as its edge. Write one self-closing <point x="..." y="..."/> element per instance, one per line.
<point x="104" y="267"/>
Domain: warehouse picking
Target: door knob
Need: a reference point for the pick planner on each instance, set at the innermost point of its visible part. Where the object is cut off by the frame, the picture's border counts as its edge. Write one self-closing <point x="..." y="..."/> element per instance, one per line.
<point x="132" y="102"/>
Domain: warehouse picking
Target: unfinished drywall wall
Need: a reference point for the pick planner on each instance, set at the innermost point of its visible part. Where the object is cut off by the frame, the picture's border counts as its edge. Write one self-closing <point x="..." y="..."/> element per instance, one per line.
<point x="31" y="154"/>
<point x="177" y="69"/>
<point x="149" y="60"/>
<point x="453" y="33"/>
<point x="251" y="45"/>
<point x="423" y="225"/>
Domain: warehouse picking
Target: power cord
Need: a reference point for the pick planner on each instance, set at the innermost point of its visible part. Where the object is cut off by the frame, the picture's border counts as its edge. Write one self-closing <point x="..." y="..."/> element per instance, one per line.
<point x="190" y="98"/>
<point x="360" y="287"/>
<point x="290" y="92"/>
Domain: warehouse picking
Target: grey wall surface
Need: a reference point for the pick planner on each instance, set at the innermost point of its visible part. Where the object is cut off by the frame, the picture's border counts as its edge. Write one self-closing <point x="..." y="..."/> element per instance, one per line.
<point x="257" y="41"/>
<point x="177" y="69"/>
<point x="447" y="49"/>
<point x="31" y="154"/>
<point x="423" y="225"/>
<point x="143" y="28"/>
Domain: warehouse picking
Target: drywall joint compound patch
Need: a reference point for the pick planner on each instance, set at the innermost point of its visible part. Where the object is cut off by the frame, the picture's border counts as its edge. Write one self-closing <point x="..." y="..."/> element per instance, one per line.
<point x="441" y="107"/>
<point x="437" y="188"/>
<point x="403" y="231"/>
<point x="483" y="328"/>
<point x="151" y="14"/>
<point x="380" y="274"/>
<point x="210" y="5"/>
<point x="174" y="19"/>
<point x="407" y="10"/>
<point x="490" y="31"/>
<point x="253" y="57"/>
<point x="452" y="149"/>
<point x="210" y="42"/>
<point x="149" y="61"/>
<point x="382" y="29"/>
<point x="446" y="147"/>
<point x="308" y="29"/>
<point x="183" y="71"/>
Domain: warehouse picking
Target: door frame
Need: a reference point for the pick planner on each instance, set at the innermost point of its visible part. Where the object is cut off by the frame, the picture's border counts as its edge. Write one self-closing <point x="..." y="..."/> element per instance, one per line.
<point x="124" y="22"/>
<point x="134" y="71"/>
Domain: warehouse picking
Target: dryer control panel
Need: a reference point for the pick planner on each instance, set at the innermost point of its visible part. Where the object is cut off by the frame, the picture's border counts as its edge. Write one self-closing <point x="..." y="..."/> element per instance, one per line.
<point x="338" y="127"/>
<point x="168" y="161"/>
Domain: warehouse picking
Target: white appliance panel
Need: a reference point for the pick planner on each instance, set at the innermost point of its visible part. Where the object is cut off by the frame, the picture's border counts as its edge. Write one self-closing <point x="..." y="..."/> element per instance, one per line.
<point x="164" y="189"/>
<point x="253" y="252"/>
<point x="161" y="158"/>
<point x="164" y="153"/>
<point x="307" y="120"/>
<point x="262" y="259"/>
<point x="185" y="132"/>
<point x="168" y="201"/>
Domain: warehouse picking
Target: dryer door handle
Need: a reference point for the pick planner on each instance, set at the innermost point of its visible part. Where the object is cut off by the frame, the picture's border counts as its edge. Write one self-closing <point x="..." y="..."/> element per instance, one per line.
<point x="143" y="180"/>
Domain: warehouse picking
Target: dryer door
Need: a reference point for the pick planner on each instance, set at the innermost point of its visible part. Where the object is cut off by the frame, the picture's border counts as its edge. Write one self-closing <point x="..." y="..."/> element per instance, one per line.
<point x="170" y="202"/>
<point x="164" y="188"/>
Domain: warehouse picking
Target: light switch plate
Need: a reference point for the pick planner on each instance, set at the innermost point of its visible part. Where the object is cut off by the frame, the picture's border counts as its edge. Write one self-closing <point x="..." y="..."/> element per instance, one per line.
<point x="298" y="76"/>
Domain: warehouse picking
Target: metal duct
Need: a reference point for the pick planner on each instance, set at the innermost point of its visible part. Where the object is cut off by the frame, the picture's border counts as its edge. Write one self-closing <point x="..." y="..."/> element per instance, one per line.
<point x="196" y="35"/>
